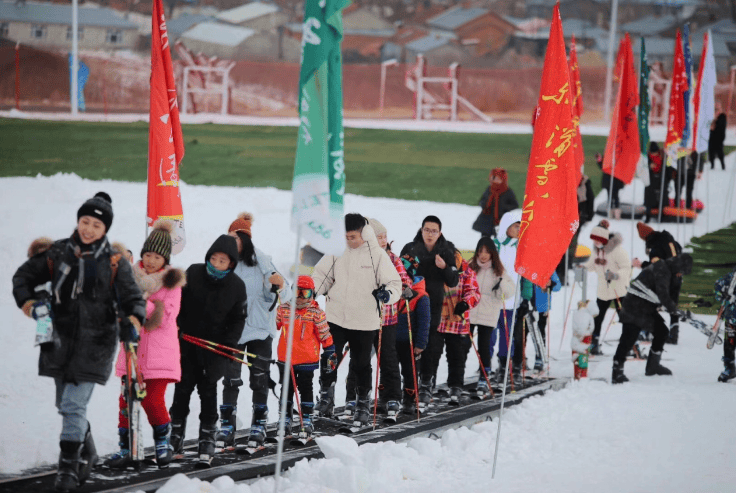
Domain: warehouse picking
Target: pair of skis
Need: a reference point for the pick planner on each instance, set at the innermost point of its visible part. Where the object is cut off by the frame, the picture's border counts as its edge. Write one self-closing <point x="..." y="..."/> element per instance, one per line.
<point x="134" y="391"/>
<point x="713" y="333"/>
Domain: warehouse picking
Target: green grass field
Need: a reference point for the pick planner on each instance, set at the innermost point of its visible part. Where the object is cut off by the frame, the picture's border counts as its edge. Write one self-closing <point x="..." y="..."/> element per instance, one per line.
<point x="713" y="256"/>
<point x="437" y="166"/>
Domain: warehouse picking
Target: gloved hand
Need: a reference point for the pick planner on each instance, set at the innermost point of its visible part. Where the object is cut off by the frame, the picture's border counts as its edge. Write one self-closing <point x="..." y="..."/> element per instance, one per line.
<point x="329" y="359"/>
<point x="381" y="294"/>
<point x="408" y="293"/>
<point x="277" y="280"/>
<point x="461" y="308"/>
<point x="130" y="330"/>
<point x="611" y="276"/>
<point x="27" y="308"/>
<point x="498" y="285"/>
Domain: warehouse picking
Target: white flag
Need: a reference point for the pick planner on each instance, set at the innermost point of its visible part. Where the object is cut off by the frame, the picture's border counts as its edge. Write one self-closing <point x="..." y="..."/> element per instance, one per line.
<point x="705" y="96"/>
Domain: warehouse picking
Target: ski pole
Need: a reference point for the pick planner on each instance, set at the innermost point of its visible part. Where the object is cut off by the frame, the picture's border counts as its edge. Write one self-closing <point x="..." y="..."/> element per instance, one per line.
<point x="523" y="348"/>
<point x="217" y="351"/>
<point x="548" y="330"/>
<point x="378" y="371"/>
<point x="190" y="338"/>
<point x="618" y="305"/>
<point x="567" y="314"/>
<point x="482" y="367"/>
<point x="413" y="359"/>
<point x="296" y="398"/>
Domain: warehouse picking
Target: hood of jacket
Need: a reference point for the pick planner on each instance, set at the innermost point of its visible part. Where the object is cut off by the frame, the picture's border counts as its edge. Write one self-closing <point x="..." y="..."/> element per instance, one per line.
<point x="225" y="244"/>
<point x="682" y="263"/>
<point x="614" y="241"/>
<point x="507" y="220"/>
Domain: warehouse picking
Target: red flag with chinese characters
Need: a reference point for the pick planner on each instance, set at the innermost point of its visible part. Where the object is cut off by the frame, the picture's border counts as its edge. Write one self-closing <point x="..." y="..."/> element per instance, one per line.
<point x="165" y="142"/>
<point x="550" y="209"/>
<point x="623" y="138"/>
<point x="577" y="107"/>
<point x="676" y="117"/>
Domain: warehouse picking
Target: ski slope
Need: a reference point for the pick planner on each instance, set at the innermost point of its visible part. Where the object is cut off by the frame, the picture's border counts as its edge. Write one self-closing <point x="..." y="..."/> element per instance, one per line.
<point x="654" y="434"/>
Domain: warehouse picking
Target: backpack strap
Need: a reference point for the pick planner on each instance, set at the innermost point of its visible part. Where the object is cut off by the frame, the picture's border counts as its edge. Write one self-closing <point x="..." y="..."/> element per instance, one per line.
<point x="114" y="264"/>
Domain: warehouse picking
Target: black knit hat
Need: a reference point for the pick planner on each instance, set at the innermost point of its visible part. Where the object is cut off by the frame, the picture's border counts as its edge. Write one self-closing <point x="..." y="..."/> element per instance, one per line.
<point x="159" y="241"/>
<point x="99" y="207"/>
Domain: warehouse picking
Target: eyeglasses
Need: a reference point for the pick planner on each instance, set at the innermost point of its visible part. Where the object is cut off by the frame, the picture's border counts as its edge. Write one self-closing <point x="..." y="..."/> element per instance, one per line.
<point x="432" y="232"/>
<point x="304" y="293"/>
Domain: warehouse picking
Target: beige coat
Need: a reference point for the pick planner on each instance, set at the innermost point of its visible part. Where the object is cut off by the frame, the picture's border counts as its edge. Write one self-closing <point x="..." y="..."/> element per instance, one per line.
<point x="617" y="261"/>
<point x="349" y="280"/>
<point x="487" y="311"/>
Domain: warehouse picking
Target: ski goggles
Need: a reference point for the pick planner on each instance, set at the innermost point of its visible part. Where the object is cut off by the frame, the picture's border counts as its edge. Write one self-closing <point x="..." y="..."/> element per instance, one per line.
<point x="304" y="293"/>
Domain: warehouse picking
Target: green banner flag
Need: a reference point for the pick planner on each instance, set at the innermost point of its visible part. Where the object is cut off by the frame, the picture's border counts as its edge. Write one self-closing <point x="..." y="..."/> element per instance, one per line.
<point x="644" y="100"/>
<point x="319" y="170"/>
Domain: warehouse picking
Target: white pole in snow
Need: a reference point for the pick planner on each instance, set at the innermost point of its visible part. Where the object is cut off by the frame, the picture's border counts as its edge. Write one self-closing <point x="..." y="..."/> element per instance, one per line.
<point x="633" y="209"/>
<point x="509" y="348"/>
<point x="75" y="59"/>
<point x="609" y="62"/>
<point x="287" y="366"/>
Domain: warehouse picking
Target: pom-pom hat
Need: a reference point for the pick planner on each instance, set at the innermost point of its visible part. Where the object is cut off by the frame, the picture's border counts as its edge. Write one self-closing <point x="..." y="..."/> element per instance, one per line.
<point x="99" y="207"/>
<point x="159" y="241"/>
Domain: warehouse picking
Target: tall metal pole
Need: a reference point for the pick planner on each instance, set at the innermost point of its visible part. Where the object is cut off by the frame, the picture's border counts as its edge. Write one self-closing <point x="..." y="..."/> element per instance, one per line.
<point x="609" y="60"/>
<point x="75" y="58"/>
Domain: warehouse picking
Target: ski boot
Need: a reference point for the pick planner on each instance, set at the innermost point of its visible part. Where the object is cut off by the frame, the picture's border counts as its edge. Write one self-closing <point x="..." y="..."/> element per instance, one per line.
<point x="226" y="435"/>
<point x="67" y="477"/>
<point x="538" y="365"/>
<point x="595" y="348"/>
<point x="455" y="394"/>
<point x="674" y="334"/>
<point x="654" y="367"/>
<point x="288" y="419"/>
<point x="425" y="393"/>
<point x="637" y="352"/>
<point x="162" y="441"/>
<point x="326" y="405"/>
<point x="481" y="388"/>
<point x="350" y="407"/>
<point x="122" y="458"/>
<point x="501" y="372"/>
<point x="729" y="370"/>
<point x="363" y="413"/>
<point x="307" y="428"/>
<point x="618" y="373"/>
<point x="392" y="410"/>
<point x="88" y="457"/>
<point x="258" y="426"/>
<point x="178" y="428"/>
<point x="408" y="402"/>
<point x="518" y="377"/>
<point x="206" y="451"/>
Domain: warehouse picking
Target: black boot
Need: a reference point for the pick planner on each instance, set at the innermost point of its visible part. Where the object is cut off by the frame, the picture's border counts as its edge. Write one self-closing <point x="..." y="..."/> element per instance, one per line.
<point x="618" y="373"/>
<point x="178" y="429"/>
<point x="518" y="378"/>
<point x="595" y="347"/>
<point x="363" y="413"/>
<point x="122" y="458"/>
<point x="409" y="402"/>
<point x="258" y="425"/>
<point x="207" y="432"/>
<point x="653" y="365"/>
<point x="67" y="478"/>
<point x="162" y="440"/>
<point x="674" y="334"/>
<point x="88" y="457"/>
<point x="425" y="392"/>
<point x="307" y="427"/>
<point x="729" y="370"/>
<point x="288" y="419"/>
<point x="326" y="405"/>
<point x="226" y="435"/>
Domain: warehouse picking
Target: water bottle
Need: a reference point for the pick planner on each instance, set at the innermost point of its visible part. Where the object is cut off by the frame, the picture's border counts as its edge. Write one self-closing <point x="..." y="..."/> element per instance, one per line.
<point x="42" y="315"/>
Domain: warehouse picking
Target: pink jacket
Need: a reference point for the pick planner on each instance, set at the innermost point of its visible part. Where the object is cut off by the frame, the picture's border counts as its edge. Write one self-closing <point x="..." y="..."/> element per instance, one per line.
<point x="158" y="350"/>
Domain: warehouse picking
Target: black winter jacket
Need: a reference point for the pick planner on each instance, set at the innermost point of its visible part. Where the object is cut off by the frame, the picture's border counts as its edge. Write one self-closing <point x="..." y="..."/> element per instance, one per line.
<point x="484" y="224"/>
<point x="661" y="280"/>
<point x="212" y="309"/>
<point x="83" y="310"/>
<point x="435" y="278"/>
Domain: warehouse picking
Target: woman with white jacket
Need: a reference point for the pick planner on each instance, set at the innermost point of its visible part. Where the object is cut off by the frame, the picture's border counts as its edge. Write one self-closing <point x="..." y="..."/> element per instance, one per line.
<point x="495" y="287"/>
<point x="611" y="262"/>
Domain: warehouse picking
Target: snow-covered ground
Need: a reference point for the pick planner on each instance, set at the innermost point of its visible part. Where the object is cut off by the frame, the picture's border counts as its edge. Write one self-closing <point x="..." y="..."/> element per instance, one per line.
<point x="653" y="434"/>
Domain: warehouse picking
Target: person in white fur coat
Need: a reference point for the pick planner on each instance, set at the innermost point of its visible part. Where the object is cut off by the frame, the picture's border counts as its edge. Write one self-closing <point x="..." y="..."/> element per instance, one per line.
<point x="583" y="324"/>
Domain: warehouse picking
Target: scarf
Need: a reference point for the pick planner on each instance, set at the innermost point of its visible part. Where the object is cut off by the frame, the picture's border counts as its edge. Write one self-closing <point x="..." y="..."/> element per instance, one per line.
<point x="497" y="189"/>
<point x="86" y="271"/>
<point x="483" y="265"/>
<point x="581" y="189"/>
<point x="149" y="283"/>
<point x="215" y="274"/>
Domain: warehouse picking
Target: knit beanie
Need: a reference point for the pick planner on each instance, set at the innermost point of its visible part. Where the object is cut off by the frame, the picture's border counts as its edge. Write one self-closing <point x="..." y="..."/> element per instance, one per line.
<point x="159" y="241"/>
<point x="600" y="234"/>
<point x="242" y="223"/>
<point x="644" y="230"/>
<point x="378" y="228"/>
<point x="305" y="282"/>
<point x="99" y="207"/>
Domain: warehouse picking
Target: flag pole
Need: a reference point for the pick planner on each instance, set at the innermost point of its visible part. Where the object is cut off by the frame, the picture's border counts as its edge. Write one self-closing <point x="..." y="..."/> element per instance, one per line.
<point x="287" y="365"/>
<point x="613" y="171"/>
<point x="509" y="351"/>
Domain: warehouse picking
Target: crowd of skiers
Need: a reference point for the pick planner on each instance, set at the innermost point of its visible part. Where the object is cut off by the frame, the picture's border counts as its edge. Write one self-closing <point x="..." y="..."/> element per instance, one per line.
<point x="410" y="307"/>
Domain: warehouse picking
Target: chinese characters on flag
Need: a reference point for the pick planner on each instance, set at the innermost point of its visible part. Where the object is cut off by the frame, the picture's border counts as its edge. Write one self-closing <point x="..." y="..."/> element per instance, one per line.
<point x="550" y="209"/>
<point x="577" y="107"/>
<point x="676" y="118"/>
<point x="165" y="142"/>
<point x="623" y="146"/>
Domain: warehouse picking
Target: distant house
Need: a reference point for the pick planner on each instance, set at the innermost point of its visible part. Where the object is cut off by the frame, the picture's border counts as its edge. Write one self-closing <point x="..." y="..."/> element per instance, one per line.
<point x="259" y="16"/>
<point x="185" y="22"/>
<point x="395" y="47"/>
<point x="437" y="50"/>
<point x="481" y="31"/>
<point x="651" y="25"/>
<point x="50" y="25"/>
<point x="364" y="45"/>
<point x="355" y="17"/>
<point x="239" y="43"/>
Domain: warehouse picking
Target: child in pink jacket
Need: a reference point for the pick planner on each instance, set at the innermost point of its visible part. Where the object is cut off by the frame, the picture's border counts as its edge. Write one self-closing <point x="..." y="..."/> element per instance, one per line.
<point x="158" y="349"/>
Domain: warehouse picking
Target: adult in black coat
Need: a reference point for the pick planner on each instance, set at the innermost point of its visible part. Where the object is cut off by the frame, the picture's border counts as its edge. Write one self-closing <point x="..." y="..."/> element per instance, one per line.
<point x="91" y="289"/>
<point x="652" y="288"/>
<point x="586" y="212"/>
<point x="436" y="258"/>
<point x="716" y="139"/>
<point x="496" y="201"/>
<point x="213" y="307"/>
<point x="655" y="160"/>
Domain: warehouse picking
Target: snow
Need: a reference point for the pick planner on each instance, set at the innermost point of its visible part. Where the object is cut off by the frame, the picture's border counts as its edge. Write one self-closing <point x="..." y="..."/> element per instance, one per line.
<point x="653" y="434"/>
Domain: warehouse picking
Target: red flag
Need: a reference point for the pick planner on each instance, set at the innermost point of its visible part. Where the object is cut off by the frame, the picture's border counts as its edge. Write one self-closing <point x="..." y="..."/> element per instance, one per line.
<point x="165" y="142"/>
<point x="676" y="118"/>
<point x="623" y="146"/>
<point x="577" y="108"/>
<point x="550" y="210"/>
